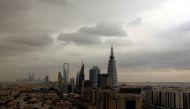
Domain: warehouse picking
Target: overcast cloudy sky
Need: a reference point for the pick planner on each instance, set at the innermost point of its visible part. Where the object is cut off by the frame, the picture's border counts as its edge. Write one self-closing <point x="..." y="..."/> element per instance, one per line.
<point x="151" y="38"/>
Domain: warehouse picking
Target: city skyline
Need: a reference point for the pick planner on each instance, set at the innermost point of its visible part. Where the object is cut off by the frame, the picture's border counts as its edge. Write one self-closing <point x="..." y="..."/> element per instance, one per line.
<point x="150" y="39"/>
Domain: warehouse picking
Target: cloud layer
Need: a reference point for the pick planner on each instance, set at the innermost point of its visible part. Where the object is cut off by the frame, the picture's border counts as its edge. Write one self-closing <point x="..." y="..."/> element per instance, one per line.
<point x="40" y="35"/>
<point x="92" y="35"/>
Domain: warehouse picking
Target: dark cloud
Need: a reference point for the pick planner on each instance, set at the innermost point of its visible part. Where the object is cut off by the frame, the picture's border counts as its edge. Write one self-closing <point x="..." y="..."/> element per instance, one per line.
<point x="30" y="40"/>
<point x="79" y="38"/>
<point x="31" y="53"/>
<point x="92" y="35"/>
<point x="12" y="13"/>
<point x="56" y="2"/>
<point x="14" y="45"/>
<point x="10" y="49"/>
<point x="105" y="29"/>
<point x="21" y="16"/>
<point x="12" y="7"/>
<point x="166" y="59"/>
<point x="41" y="16"/>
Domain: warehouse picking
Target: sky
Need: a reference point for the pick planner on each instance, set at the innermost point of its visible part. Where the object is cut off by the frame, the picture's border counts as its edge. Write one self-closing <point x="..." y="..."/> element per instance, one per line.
<point x="151" y="38"/>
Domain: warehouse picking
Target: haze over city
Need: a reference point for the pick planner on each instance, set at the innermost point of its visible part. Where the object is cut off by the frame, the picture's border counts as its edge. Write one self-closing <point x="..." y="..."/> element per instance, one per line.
<point x="150" y="38"/>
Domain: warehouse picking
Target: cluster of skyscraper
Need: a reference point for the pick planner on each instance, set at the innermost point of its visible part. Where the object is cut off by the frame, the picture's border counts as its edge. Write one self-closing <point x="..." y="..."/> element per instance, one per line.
<point x="96" y="79"/>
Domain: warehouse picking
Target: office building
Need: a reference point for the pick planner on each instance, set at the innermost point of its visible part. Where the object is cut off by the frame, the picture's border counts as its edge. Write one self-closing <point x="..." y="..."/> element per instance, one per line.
<point x="46" y="78"/>
<point x="66" y="72"/>
<point x="94" y="74"/>
<point x="60" y="82"/>
<point x="126" y="98"/>
<point x="164" y="98"/>
<point x="77" y="82"/>
<point x="103" y="80"/>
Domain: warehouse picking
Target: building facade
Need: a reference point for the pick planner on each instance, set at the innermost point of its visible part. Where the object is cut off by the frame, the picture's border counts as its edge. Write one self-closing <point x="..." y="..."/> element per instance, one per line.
<point x="164" y="98"/>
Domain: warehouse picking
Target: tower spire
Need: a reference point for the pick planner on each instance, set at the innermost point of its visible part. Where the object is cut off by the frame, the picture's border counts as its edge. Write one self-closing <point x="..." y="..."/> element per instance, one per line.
<point x="111" y="53"/>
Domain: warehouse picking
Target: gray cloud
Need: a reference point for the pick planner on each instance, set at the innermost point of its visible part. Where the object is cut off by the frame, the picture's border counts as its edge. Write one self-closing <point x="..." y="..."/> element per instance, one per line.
<point x="79" y="38"/>
<point x="105" y="29"/>
<point x="136" y="22"/>
<point x="20" y="44"/>
<point x="56" y="2"/>
<point x="184" y="27"/>
<point x="177" y="37"/>
<point x="30" y="40"/>
<point x="92" y="35"/>
<point x="20" y="54"/>
<point x="173" y="50"/>
<point x="165" y="59"/>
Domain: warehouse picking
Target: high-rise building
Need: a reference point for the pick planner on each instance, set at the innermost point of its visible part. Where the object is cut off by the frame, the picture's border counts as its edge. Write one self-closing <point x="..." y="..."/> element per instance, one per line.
<point x="32" y="76"/>
<point x="77" y="82"/>
<point x="46" y="78"/>
<point x="60" y="82"/>
<point x="81" y="77"/>
<point x="94" y="74"/>
<point x="163" y="98"/>
<point x="103" y="80"/>
<point x="66" y="72"/>
<point x="111" y="71"/>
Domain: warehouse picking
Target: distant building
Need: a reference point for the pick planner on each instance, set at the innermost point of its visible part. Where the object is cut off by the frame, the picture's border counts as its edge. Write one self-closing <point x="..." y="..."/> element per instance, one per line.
<point x="66" y="72"/>
<point x="31" y="77"/>
<point x="60" y="82"/>
<point x="94" y="74"/>
<point x="112" y="71"/>
<point x="81" y="77"/>
<point x="46" y="78"/>
<point x="77" y="82"/>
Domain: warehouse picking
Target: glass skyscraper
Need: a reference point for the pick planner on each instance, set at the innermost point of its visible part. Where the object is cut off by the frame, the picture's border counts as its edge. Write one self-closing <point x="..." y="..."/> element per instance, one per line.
<point x="94" y="73"/>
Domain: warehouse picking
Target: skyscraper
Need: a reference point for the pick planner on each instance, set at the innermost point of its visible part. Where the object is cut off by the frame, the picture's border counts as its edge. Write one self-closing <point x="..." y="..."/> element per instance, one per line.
<point x="77" y="82"/>
<point x="94" y="73"/>
<point x="60" y="82"/>
<point x="81" y="77"/>
<point x="46" y="78"/>
<point x="111" y="71"/>
<point x="66" y="72"/>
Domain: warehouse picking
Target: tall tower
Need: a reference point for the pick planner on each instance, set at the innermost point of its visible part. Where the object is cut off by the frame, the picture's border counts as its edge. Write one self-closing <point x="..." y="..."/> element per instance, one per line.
<point x="112" y="71"/>
<point x="81" y="77"/>
<point x="66" y="72"/>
